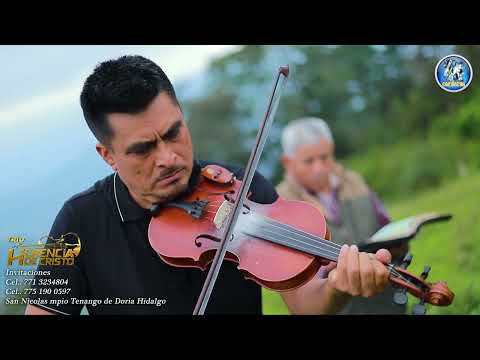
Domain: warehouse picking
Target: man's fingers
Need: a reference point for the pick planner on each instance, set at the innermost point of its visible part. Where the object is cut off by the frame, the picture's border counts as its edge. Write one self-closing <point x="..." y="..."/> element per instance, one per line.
<point x="353" y="271"/>
<point x="383" y="256"/>
<point x="367" y="275"/>
<point x="342" y="259"/>
<point x="331" y="265"/>
<point x="333" y="276"/>
<point x="359" y="273"/>
<point x="338" y="276"/>
<point x="325" y="270"/>
<point x="381" y="274"/>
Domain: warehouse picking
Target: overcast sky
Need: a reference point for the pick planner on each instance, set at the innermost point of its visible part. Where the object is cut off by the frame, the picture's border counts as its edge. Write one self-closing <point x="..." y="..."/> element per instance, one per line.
<point x="36" y="79"/>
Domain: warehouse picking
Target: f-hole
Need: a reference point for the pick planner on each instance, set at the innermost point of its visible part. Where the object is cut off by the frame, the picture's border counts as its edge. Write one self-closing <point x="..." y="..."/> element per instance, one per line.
<point x="205" y="236"/>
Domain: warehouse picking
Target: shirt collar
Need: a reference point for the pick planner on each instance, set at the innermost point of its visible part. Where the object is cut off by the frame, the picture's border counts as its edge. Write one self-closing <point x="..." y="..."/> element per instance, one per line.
<point x="128" y="209"/>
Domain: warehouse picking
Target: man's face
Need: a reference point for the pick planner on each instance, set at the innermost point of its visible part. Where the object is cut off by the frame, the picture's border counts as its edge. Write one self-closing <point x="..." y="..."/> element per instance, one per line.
<point x="311" y="165"/>
<point x="152" y="151"/>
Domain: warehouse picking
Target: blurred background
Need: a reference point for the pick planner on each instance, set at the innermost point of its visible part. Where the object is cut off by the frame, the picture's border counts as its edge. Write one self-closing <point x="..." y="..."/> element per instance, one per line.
<point x="416" y="145"/>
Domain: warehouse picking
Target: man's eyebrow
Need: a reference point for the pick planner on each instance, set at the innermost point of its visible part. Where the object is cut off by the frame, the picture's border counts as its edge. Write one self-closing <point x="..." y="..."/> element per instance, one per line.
<point x="140" y="145"/>
<point x="176" y="125"/>
<point x="145" y="145"/>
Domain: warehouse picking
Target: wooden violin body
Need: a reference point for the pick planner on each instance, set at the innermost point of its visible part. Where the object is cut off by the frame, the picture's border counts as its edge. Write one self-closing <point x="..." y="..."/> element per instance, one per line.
<point x="182" y="240"/>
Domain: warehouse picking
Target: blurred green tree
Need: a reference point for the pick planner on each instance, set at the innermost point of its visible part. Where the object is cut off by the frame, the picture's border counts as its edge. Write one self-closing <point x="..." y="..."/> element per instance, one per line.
<point x="370" y="95"/>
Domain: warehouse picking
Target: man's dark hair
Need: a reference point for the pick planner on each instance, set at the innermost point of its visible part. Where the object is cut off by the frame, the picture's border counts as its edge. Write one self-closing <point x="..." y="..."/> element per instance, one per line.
<point x="124" y="85"/>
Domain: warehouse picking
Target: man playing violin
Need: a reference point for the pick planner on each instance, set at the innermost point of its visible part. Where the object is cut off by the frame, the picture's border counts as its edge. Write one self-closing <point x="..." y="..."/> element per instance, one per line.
<point x="132" y="109"/>
<point x="352" y="210"/>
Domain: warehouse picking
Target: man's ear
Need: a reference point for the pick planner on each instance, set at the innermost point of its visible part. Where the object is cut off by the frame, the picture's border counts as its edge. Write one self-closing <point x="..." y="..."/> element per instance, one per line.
<point x="106" y="155"/>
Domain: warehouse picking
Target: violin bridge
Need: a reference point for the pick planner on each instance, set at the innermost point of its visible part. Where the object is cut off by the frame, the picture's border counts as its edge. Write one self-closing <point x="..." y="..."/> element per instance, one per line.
<point x="222" y="214"/>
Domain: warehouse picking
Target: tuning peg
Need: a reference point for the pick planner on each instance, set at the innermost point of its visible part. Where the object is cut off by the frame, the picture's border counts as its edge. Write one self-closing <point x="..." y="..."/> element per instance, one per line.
<point x="419" y="309"/>
<point x="426" y="270"/>
<point x="406" y="261"/>
<point x="400" y="296"/>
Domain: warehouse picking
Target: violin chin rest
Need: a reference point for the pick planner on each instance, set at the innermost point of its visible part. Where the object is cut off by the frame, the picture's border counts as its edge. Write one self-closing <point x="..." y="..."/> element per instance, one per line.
<point x="217" y="174"/>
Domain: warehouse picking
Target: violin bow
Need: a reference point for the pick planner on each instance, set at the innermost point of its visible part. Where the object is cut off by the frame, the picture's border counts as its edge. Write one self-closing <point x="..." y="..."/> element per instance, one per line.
<point x="279" y="84"/>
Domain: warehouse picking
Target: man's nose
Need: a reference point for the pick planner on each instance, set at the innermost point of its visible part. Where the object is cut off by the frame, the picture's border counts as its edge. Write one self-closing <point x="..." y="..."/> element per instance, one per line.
<point x="165" y="156"/>
<point x="318" y="166"/>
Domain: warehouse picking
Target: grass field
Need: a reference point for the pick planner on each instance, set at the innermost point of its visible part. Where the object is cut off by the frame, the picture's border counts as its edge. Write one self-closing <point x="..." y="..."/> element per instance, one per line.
<point x="451" y="248"/>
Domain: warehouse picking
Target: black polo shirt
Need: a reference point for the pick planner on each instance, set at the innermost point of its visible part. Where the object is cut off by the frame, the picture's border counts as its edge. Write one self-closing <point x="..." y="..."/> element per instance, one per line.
<point x="116" y="261"/>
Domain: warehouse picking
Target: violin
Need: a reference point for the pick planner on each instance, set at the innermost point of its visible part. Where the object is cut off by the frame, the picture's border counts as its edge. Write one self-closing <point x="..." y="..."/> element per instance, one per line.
<point x="280" y="246"/>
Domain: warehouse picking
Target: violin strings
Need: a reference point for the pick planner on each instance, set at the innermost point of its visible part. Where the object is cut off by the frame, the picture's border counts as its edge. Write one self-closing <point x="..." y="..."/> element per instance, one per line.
<point x="328" y="248"/>
<point x="265" y="219"/>
<point x="310" y="248"/>
<point x="329" y="254"/>
<point x="295" y="231"/>
<point x="325" y="254"/>
<point x="322" y="243"/>
<point x="316" y="243"/>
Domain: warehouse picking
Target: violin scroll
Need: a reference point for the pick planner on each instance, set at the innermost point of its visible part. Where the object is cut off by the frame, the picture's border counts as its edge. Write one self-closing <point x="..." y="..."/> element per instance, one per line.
<point x="437" y="294"/>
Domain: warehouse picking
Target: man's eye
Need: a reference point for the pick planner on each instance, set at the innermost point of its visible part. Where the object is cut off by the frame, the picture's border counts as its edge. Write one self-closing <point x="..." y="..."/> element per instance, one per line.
<point x="308" y="161"/>
<point x="142" y="149"/>
<point x="172" y="133"/>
